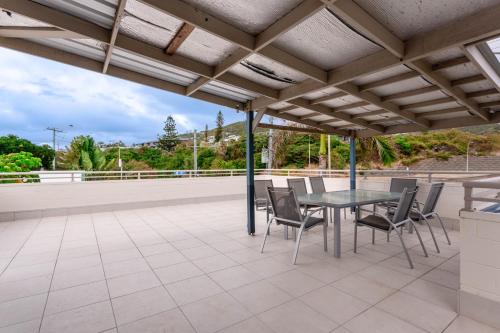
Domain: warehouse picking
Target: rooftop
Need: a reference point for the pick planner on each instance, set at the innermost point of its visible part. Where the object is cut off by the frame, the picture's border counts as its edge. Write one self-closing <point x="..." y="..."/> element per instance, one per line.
<point x="190" y="268"/>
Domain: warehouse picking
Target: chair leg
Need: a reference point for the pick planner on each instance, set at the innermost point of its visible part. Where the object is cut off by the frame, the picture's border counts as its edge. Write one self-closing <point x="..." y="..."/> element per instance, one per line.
<point x="325" y="231"/>
<point x="404" y="247"/>
<point x="267" y="218"/>
<point x="297" y="244"/>
<point x="432" y="234"/>
<point x="345" y="214"/>
<point x="265" y="235"/>
<point x="373" y="236"/>
<point x="444" y="229"/>
<point x="419" y="238"/>
<point x="355" y="237"/>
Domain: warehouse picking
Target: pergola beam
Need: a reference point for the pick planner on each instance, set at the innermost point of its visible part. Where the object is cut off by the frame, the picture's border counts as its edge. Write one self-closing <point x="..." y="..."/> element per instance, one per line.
<point x="37" y="32"/>
<point x="258" y="117"/>
<point x="426" y="70"/>
<point x="120" y="9"/>
<point x="409" y="93"/>
<point x="483" y="58"/>
<point x="371" y="98"/>
<point x="329" y="97"/>
<point x="292" y="128"/>
<point x="467" y="80"/>
<point x="180" y="36"/>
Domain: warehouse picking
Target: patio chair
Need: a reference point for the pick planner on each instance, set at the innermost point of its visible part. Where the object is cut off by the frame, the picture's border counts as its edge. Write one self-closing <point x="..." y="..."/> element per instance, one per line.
<point x="318" y="186"/>
<point x="399" y="220"/>
<point x="428" y="211"/>
<point x="287" y="212"/>
<point x="261" y="198"/>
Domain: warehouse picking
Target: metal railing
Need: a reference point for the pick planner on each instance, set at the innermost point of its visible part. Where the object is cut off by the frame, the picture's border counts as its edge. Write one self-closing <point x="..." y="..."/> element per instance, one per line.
<point x="490" y="187"/>
<point x="86" y="176"/>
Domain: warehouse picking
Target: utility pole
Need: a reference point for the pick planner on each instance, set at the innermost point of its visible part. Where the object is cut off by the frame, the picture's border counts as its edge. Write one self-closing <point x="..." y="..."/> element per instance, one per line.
<point x="54" y="130"/>
<point x="195" y="154"/>
<point x="309" y="151"/>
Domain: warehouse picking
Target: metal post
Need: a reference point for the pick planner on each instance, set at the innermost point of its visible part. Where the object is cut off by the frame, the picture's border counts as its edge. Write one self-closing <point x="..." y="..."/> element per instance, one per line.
<point x="352" y="162"/>
<point x="195" y="154"/>
<point x="329" y="154"/>
<point x="270" y="148"/>
<point x="250" y="175"/>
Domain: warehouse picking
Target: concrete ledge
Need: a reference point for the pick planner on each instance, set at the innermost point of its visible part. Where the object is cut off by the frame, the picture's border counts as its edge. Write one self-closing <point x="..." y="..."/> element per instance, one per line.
<point x="39" y="213"/>
<point x="479" y="308"/>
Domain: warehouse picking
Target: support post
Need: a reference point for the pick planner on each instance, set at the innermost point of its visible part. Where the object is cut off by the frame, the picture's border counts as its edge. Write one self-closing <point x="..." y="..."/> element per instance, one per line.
<point x="250" y="175"/>
<point x="352" y="165"/>
<point x="352" y="162"/>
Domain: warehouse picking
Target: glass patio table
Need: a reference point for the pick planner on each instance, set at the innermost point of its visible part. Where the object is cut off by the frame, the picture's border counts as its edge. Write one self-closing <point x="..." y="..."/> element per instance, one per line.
<point x="344" y="199"/>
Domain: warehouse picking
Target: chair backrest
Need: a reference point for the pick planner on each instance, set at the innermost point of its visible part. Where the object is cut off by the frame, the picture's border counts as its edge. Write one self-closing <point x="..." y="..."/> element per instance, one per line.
<point x="298" y="185"/>
<point x="261" y="186"/>
<point x="317" y="184"/>
<point x="399" y="184"/>
<point x="404" y="205"/>
<point x="284" y="203"/>
<point x="432" y="198"/>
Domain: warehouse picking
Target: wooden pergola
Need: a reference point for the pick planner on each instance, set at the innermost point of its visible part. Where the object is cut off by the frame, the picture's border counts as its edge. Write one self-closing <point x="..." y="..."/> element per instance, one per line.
<point x="350" y="68"/>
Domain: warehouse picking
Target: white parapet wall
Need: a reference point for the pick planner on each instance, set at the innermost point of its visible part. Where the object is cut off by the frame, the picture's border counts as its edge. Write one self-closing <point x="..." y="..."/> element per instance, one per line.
<point x="479" y="295"/>
<point x="21" y="201"/>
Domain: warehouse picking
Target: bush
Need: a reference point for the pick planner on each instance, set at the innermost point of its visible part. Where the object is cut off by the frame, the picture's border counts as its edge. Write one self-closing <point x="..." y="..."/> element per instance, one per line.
<point x="403" y="145"/>
<point x="19" y="162"/>
<point x="14" y="144"/>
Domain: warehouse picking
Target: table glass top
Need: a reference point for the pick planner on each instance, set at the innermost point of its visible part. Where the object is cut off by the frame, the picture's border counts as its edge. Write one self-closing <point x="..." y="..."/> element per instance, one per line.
<point x="348" y="198"/>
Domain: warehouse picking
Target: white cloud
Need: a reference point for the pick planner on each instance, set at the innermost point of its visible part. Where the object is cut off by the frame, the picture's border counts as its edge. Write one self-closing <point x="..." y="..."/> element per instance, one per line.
<point x="183" y="121"/>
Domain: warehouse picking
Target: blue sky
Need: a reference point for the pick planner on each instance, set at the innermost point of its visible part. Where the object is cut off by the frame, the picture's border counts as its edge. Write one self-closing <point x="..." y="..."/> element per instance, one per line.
<point x="36" y="93"/>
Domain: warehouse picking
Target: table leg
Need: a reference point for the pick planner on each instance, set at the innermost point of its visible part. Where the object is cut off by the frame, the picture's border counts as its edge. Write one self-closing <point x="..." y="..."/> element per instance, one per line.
<point x="336" y="232"/>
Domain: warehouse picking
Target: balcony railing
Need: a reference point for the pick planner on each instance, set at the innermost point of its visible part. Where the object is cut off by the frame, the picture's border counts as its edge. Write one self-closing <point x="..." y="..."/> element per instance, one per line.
<point x="86" y="176"/>
<point x="490" y="192"/>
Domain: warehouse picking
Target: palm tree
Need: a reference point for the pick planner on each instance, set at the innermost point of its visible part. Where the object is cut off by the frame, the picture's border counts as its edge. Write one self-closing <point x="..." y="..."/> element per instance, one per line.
<point x="376" y="149"/>
<point x="322" y="152"/>
<point x="84" y="154"/>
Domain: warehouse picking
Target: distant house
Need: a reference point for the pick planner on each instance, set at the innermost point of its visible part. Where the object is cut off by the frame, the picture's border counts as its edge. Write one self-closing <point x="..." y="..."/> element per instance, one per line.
<point x="150" y="144"/>
<point x="231" y="137"/>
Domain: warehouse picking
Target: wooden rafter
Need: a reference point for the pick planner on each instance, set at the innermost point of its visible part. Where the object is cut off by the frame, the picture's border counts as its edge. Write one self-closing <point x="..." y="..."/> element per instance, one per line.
<point x="180" y="36"/>
<point x="292" y="128"/>
<point x="37" y="32"/>
<point x="120" y="9"/>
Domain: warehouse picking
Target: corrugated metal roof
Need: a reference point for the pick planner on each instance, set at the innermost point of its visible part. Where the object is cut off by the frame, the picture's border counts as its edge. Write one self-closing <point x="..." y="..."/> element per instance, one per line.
<point x="84" y="47"/>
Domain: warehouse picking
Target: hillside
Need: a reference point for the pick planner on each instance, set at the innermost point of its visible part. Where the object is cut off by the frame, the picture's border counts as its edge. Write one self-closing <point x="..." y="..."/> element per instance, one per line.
<point x="237" y="128"/>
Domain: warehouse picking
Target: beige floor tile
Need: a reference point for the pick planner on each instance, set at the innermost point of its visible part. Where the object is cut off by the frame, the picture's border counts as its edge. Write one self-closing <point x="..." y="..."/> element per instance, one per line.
<point x="22" y="288"/>
<point x="234" y="277"/>
<point x="340" y="330"/>
<point x="122" y="255"/>
<point x="187" y="243"/>
<point x="78" y="263"/>
<point x="172" y="321"/>
<point x="268" y="267"/>
<point x="295" y="282"/>
<point x="296" y="317"/>
<point x="178" y="272"/>
<point x="193" y="289"/>
<point x="434" y="293"/>
<point x="365" y="289"/>
<point x="334" y="304"/>
<point x="200" y="252"/>
<point x="91" y="318"/>
<point x="260" y="296"/>
<point x="466" y="325"/>
<point x="251" y="325"/>
<point x="402" y="266"/>
<point x="22" y="309"/>
<point x="132" y="283"/>
<point x="165" y="259"/>
<point x="215" y="313"/>
<point x="246" y="255"/>
<point x="378" y="321"/>
<point x="420" y="313"/>
<point x="150" y="250"/>
<point x="323" y="271"/>
<point x="126" y="267"/>
<point x="26" y="272"/>
<point x="443" y="278"/>
<point x="77" y="277"/>
<point x="31" y="326"/>
<point x="70" y="298"/>
<point x="141" y="304"/>
<point x="215" y="263"/>
<point x="386" y="276"/>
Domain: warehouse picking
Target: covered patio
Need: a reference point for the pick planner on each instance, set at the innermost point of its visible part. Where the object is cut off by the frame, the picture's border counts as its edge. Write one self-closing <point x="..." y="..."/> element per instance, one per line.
<point x="350" y="68"/>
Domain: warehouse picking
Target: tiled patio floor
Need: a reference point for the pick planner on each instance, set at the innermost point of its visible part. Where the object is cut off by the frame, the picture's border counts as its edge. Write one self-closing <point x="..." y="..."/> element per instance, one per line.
<point x="192" y="268"/>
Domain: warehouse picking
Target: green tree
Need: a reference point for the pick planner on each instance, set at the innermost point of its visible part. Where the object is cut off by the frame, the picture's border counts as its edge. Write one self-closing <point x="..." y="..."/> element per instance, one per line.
<point x="219" y="123"/>
<point x="19" y="162"/>
<point x="169" y="139"/>
<point x="206" y="132"/>
<point x="84" y="154"/>
<point x="376" y="149"/>
<point x="14" y="144"/>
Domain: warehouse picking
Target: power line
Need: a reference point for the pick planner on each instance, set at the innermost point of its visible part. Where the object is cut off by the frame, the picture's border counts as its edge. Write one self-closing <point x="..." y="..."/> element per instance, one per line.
<point x="54" y="130"/>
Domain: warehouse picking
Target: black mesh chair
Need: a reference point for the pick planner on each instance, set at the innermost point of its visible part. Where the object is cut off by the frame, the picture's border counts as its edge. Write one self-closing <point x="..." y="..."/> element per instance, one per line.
<point x="287" y="212"/>
<point x="400" y="219"/>
<point x="261" y="198"/>
<point x="300" y="188"/>
<point x="318" y="186"/>
<point x="428" y="211"/>
<point x="398" y="185"/>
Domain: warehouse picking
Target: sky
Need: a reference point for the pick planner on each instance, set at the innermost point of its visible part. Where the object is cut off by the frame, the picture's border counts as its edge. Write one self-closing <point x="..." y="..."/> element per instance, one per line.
<point x="36" y="93"/>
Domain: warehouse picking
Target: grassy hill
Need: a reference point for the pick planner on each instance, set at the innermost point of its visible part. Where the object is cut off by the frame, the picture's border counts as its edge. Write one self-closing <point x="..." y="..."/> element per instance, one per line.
<point x="237" y="128"/>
